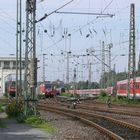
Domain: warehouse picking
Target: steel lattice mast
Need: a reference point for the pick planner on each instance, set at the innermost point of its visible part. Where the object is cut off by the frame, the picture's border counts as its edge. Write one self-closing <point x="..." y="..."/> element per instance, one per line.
<point x="30" y="56"/>
<point x="103" y="61"/>
<point x="18" y="50"/>
<point x="131" y="61"/>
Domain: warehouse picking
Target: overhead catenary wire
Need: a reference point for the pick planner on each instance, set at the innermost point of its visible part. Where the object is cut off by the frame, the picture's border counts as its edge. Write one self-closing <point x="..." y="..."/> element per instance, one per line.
<point x="81" y="27"/>
<point x="107" y="5"/>
<point x="46" y="15"/>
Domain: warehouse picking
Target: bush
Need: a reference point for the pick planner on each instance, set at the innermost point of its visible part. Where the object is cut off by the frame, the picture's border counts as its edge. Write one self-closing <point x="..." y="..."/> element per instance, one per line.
<point x="5" y="94"/>
<point x="62" y="90"/>
<point x="103" y="94"/>
<point x="14" y="109"/>
<point x="41" y="96"/>
<point x="1" y="108"/>
<point x="121" y="97"/>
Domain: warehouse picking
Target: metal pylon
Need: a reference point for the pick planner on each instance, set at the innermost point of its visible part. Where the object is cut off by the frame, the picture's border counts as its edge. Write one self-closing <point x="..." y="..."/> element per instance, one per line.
<point x="103" y="65"/>
<point x="19" y="50"/>
<point x="30" y="57"/>
<point x="131" y="62"/>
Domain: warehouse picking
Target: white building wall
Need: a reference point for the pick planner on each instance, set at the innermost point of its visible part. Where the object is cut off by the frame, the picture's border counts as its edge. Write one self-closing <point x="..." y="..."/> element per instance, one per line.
<point x="4" y="73"/>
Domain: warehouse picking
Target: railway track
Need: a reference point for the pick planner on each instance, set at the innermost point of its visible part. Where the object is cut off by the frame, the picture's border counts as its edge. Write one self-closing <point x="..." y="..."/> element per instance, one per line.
<point x="123" y="115"/>
<point x="91" y="107"/>
<point x="115" y="129"/>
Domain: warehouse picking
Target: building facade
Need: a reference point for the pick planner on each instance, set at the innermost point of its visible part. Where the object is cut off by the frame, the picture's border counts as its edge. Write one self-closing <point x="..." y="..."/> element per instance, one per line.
<point x="8" y="71"/>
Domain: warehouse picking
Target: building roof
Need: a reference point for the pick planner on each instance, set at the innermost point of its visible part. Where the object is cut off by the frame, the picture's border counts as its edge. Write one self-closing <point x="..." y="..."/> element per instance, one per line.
<point x="8" y="58"/>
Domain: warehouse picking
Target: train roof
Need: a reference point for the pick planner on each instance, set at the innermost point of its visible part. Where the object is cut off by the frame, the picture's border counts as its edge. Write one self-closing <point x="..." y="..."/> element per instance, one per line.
<point x="125" y="81"/>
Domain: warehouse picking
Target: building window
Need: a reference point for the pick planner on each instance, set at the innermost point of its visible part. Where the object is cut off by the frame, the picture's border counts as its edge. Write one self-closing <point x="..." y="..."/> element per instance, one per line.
<point x="14" y="64"/>
<point x="6" y="65"/>
<point x="23" y="65"/>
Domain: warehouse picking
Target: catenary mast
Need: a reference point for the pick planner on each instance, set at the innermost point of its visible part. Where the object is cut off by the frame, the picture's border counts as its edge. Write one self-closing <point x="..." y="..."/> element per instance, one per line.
<point x="131" y="60"/>
<point x="18" y="50"/>
<point x="30" y="57"/>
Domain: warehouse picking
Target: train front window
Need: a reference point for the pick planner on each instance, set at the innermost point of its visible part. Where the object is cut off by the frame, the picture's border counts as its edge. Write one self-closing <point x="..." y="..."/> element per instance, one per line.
<point x="47" y="86"/>
<point x="13" y="84"/>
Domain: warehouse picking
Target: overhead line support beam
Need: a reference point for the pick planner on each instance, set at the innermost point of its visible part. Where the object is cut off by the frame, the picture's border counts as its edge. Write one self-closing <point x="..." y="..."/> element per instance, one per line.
<point x="84" y="13"/>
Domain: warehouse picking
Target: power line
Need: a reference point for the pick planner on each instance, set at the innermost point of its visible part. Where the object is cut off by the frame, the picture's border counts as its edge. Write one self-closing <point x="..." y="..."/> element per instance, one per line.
<point x="46" y="15"/>
<point x="107" y="5"/>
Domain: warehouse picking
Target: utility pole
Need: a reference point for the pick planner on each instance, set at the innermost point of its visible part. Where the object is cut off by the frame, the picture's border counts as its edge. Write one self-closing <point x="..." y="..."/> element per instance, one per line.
<point x="18" y="50"/>
<point x="103" y="61"/>
<point x="67" y="71"/>
<point x="43" y="78"/>
<point x="68" y="52"/>
<point x="114" y="80"/>
<point x="30" y="56"/>
<point x="74" y="78"/>
<point x="132" y="55"/>
<point x="109" y="62"/>
<point x="89" y="75"/>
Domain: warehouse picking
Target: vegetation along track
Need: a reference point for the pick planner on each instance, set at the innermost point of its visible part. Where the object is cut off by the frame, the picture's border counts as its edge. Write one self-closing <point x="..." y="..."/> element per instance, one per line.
<point x="118" y="128"/>
<point x="120" y="106"/>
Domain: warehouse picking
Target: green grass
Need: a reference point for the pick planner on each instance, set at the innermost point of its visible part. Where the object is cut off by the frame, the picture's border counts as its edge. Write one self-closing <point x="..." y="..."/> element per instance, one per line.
<point x="2" y="125"/>
<point x="1" y="105"/>
<point x="0" y="109"/>
<point x="120" y="100"/>
<point x="39" y="123"/>
<point x="116" y="100"/>
<point x="66" y="94"/>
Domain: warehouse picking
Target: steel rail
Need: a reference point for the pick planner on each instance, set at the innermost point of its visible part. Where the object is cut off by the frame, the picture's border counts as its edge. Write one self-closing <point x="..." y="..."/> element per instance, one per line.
<point x="107" y="110"/>
<point x="128" y="125"/>
<point x="106" y="132"/>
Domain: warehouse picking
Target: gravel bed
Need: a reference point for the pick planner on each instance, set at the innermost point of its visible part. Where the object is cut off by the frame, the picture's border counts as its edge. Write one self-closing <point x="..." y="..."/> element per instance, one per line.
<point x="126" y="118"/>
<point x="67" y="128"/>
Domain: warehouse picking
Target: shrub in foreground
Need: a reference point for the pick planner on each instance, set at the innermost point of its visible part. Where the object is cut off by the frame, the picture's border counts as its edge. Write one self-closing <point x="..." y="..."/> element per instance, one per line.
<point x="15" y="108"/>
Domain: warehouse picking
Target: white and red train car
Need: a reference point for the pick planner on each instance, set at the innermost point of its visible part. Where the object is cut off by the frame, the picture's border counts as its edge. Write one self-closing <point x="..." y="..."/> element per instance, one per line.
<point x="122" y="88"/>
<point x="87" y="91"/>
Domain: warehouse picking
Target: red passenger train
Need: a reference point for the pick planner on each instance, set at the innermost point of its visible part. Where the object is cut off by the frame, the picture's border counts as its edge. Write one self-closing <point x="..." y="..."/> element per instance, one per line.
<point x="47" y="89"/>
<point x="122" y="88"/>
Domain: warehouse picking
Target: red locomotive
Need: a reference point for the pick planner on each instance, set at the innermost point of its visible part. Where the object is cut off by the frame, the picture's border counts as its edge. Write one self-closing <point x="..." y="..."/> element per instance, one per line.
<point x="47" y="89"/>
<point x="10" y="88"/>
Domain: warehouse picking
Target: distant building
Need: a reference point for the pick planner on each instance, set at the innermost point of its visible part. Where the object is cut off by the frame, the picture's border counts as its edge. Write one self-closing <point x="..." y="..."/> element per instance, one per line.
<point x="7" y="69"/>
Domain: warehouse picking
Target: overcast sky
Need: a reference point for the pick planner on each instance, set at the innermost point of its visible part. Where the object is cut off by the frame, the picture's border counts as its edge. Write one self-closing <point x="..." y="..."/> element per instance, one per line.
<point x="111" y="30"/>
